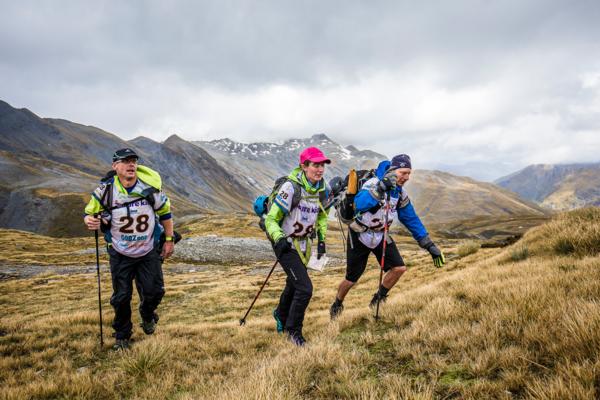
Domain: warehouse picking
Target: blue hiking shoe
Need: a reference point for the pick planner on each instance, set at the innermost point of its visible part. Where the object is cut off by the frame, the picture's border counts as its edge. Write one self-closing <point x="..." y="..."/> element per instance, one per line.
<point x="279" y="324"/>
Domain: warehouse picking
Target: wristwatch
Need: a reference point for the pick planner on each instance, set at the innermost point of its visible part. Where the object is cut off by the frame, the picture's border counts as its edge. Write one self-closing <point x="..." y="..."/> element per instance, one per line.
<point x="168" y="238"/>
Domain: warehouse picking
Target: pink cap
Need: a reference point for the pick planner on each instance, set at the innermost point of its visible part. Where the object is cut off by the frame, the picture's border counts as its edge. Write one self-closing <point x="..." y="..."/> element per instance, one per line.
<point x="313" y="154"/>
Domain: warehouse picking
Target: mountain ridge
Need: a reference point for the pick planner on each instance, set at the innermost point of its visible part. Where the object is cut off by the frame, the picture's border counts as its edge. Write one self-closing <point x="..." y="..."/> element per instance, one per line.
<point x="556" y="186"/>
<point x="60" y="162"/>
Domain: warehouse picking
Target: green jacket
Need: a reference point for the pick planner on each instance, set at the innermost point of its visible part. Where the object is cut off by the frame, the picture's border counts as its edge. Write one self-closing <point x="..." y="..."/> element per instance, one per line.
<point x="146" y="175"/>
<point x="276" y="215"/>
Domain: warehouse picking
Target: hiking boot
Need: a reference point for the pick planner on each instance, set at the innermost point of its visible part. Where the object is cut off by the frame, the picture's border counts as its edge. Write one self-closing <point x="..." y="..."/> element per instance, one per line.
<point x="296" y="338"/>
<point x="278" y="323"/>
<point x="335" y="310"/>
<point x="121" y="344"/>
<point x="376" y="296"/>
<point x="149" y="326"/>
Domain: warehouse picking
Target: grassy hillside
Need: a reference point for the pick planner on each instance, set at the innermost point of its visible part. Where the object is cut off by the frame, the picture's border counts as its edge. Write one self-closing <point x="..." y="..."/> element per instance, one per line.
<point x="518" y="322"/>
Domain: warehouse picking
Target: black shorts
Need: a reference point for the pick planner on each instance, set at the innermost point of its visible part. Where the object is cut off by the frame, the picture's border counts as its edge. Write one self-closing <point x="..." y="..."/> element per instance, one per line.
<point x="357" y="257"/>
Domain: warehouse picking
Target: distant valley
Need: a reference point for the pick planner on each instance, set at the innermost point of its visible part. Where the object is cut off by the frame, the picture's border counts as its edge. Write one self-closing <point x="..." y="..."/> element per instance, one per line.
<point x="49" y="167"/>
<point x="557" y="186"/>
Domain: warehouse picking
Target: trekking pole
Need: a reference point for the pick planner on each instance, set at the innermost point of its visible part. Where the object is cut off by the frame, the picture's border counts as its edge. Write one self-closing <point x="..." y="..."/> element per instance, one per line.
<point x="99" y="291"/>
<point x="243" y="320"/>
<point x="385" y="236"/>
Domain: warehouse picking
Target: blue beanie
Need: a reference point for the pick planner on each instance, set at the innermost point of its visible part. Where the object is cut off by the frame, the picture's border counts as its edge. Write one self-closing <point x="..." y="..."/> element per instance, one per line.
<point x="401" y="161"/>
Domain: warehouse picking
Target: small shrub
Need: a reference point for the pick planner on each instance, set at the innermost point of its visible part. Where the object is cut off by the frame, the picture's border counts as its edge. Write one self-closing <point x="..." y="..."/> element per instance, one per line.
<point x="519" y="253"/>
<point x="467" y="248"/>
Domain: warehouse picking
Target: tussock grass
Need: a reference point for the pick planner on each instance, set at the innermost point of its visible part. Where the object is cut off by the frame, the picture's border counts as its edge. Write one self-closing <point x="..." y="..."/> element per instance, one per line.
<point x="147" y="358"/>
<point x="519" y="252"/>
<point x="575" y="233"/>
<point x="467" y="248"/>
<point x="484" y="328"/>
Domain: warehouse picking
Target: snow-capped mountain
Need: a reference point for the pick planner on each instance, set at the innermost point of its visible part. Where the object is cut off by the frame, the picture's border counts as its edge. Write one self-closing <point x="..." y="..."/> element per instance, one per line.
<point x="261" y="163"/>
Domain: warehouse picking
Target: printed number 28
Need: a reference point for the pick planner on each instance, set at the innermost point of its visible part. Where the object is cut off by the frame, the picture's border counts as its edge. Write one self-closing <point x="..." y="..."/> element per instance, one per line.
<point x="299" y="228"/>
<point x="141" y="224"/>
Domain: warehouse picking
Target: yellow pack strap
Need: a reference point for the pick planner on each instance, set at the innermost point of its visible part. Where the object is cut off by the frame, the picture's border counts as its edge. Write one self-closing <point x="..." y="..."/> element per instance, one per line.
<point x="321" y="207"/>
<point x="304" y="257"/>
<point x="352" y="182"/>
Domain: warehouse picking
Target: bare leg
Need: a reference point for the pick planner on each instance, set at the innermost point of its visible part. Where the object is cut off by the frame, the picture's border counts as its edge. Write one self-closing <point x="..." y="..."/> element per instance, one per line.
<point x="390" y="278"/>
<point x="344" y="288"/>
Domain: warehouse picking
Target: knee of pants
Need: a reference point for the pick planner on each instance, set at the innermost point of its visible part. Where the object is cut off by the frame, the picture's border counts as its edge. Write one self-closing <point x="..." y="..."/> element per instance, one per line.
<point x="154" y="295"/>
<point x="119" y="299"/>
<point x="305" y="291"/>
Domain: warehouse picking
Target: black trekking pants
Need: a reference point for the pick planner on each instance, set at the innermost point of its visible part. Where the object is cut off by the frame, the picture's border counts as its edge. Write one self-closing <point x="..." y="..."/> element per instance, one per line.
<point x="147" y="272"/>
<point x="297" y="292"/>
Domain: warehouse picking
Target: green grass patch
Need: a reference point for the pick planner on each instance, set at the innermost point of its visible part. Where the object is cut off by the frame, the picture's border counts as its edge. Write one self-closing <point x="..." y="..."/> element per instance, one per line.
<point x="457" y="374"/>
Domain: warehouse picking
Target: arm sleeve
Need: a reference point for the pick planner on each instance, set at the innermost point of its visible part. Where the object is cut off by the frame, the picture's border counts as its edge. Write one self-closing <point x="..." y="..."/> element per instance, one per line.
<point x="410" y="219"/>
<point x="364" y="201"/>
<point x="280" y="207"/>
<point x="285" y="197"/>
<point x="93" y="206"/>
<point x="164" y="206"/>
<point x="272" y="221"/>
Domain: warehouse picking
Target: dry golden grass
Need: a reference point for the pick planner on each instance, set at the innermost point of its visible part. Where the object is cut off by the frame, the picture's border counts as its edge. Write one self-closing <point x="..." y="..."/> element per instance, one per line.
<point x="576" y="234"/>
<point x="484" y="327"/>
<point x="467" y="248"/>
<point x="238" y="225"/>
<point x="22" y="248"/>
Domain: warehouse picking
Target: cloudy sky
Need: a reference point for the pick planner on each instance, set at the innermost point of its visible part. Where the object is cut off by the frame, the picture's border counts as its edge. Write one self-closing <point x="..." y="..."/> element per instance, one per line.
<point x="478" y="88"/>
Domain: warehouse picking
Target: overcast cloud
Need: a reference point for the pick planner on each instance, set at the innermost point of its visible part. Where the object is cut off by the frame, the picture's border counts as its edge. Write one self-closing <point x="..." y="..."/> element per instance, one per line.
<point x="478" y="88"/>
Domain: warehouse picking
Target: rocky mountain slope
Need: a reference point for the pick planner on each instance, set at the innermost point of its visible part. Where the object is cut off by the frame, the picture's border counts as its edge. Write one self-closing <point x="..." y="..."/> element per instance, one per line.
<point x="261" y="163"/>
<point x="438" y="196"/>
<point x="49" y="167"/>
<point x="442" y="197"/>
<point x="556" y="186"/>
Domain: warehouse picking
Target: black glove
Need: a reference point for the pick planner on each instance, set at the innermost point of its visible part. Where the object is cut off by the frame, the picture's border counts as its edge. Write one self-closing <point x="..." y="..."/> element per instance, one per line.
<point x="388" y="183"/>
<point x="321" y="250"/>
<point x="438" y="257"/>
<point x="337" y="185"/>
<point x="281" y="247"/>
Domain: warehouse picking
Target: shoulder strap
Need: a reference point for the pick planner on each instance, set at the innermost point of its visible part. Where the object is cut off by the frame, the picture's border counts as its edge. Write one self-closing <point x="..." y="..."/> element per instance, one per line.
<point x="106" y="199"/>
<point x="297" y="193"/>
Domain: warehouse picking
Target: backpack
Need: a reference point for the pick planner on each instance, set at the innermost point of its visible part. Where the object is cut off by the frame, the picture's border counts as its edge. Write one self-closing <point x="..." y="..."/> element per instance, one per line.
<point x="354" y="180"/>
<point x="262" y="204"/>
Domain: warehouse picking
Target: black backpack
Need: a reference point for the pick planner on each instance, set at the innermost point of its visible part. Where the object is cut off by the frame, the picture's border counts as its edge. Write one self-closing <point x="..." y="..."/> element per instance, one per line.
<point x="345" y="207"/>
